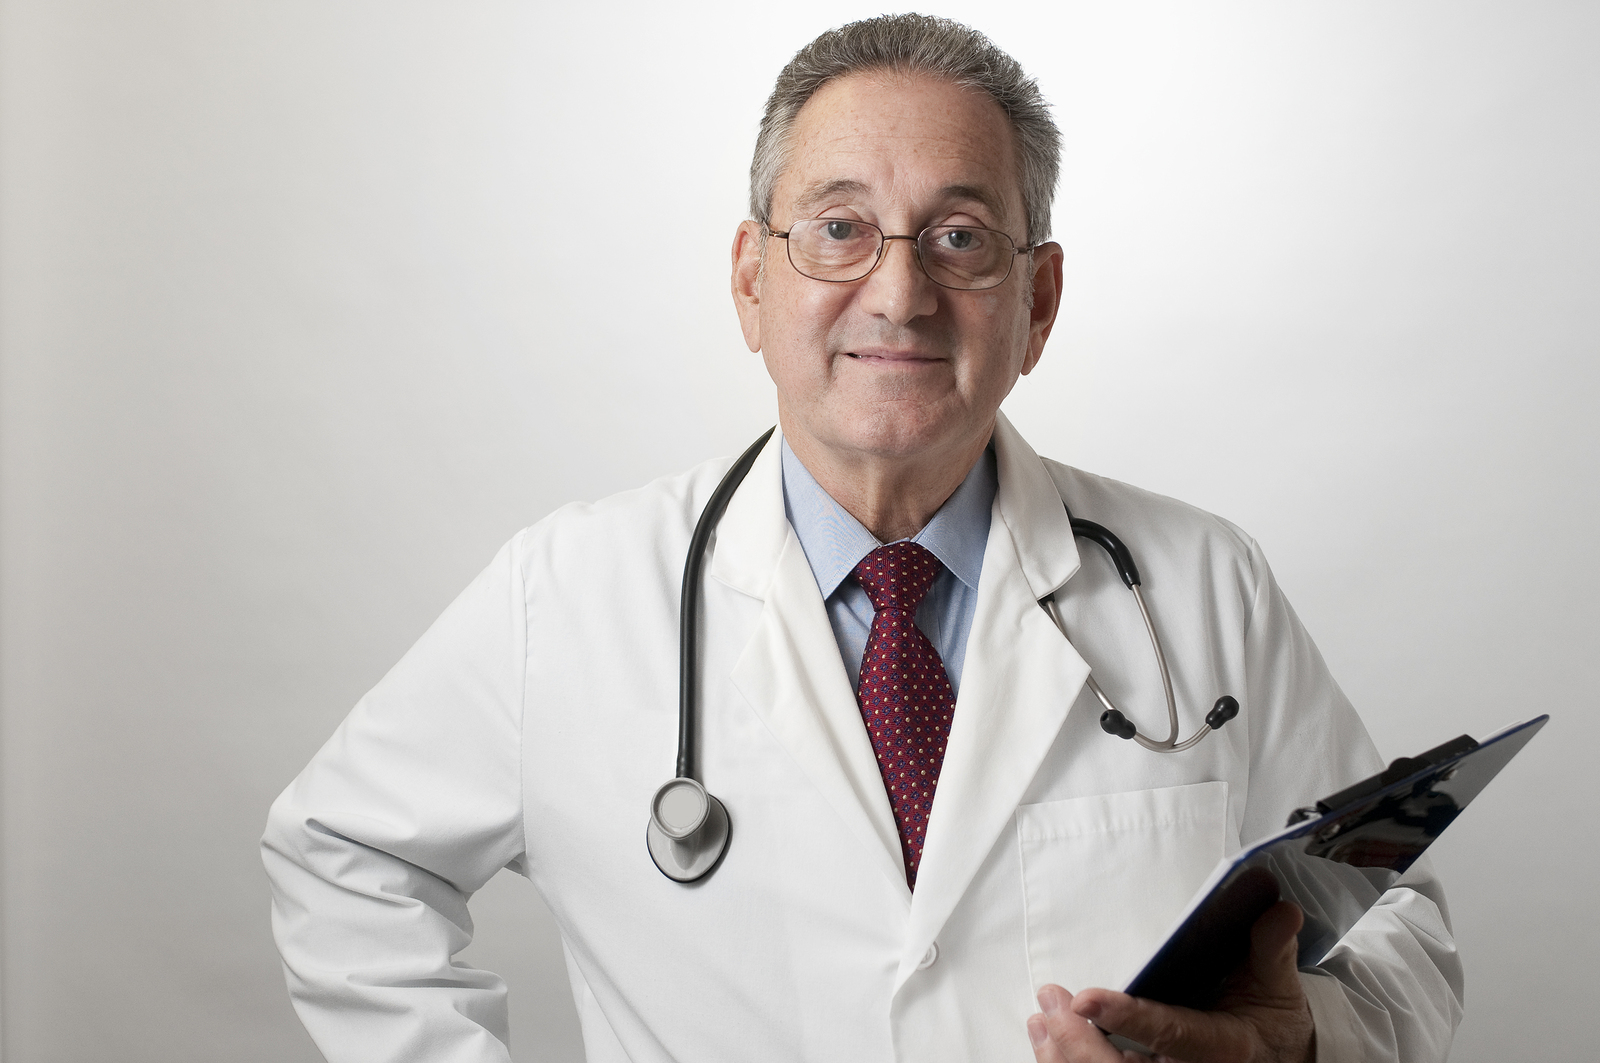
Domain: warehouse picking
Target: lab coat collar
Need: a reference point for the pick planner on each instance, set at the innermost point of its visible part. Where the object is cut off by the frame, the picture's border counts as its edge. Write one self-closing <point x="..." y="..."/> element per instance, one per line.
<point x="752" y="532"/>
<point x="751" y="535"/>
<point x="1030" y="506"/>
<point x="1019" y="680"/>
<point x="790" y="671"/>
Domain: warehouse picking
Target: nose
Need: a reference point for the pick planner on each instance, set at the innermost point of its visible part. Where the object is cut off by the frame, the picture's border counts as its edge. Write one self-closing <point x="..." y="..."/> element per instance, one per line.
<point x="898" y="289"/>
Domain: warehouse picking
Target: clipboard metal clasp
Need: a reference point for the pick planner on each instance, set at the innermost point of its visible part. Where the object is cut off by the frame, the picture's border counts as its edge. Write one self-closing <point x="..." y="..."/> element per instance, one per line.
<point x="1398" y="769"/>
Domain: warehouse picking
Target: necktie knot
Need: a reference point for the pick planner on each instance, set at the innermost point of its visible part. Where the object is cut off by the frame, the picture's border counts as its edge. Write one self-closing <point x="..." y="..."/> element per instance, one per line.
<point x="898" y="576"/>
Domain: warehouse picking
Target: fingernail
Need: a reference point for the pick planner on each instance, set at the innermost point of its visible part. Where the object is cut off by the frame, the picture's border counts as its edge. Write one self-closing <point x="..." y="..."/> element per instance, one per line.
<point x="1049" y="1001"/>
<point x="1089" y="1009"/>
<point x="1037" y="1034"/>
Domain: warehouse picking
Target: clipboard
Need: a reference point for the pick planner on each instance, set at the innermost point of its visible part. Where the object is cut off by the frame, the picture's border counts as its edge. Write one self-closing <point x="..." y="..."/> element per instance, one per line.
<point x="1334" y="859"/>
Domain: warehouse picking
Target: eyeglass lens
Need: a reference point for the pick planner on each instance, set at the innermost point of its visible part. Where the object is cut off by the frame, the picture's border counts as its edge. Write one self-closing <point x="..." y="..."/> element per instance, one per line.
<point x="955" y="256"/>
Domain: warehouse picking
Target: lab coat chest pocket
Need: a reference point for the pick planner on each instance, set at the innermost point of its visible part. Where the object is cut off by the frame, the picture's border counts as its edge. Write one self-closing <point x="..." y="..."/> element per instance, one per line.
<point x="1104" y="877"/>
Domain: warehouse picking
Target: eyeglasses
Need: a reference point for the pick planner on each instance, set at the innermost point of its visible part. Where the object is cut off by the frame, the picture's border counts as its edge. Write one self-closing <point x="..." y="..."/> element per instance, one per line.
<point x="840" y="250"/>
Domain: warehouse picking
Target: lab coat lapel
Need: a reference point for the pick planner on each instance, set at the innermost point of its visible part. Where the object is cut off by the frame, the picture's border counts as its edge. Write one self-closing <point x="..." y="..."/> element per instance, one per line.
<point x="1019" y="679"/>
<point x="790" y="671"/>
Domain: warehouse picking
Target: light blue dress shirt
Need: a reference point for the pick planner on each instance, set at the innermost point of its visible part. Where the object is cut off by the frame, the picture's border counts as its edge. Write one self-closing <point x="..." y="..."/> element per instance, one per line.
<point x="835" y="542"/>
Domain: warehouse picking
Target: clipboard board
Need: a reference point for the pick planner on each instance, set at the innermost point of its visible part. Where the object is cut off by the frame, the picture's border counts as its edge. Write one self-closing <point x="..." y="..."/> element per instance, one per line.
<point x="1334" y="860"/>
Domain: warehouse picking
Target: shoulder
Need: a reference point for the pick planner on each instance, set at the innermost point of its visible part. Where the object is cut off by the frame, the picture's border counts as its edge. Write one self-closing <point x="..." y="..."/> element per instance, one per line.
<point x="1102" y="499"/>
<point x="1162" y="525"/>
<point x="645" y="525"/>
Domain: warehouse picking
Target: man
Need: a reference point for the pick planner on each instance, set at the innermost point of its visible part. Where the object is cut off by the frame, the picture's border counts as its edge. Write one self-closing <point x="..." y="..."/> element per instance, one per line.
<point x="930" y="830"/>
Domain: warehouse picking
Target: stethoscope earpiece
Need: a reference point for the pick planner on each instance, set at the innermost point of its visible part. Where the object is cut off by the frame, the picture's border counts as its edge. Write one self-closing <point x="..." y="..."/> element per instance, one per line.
<point x="1116" y="724"/>
<point x="1224" y="710"/>
<point x="1113" y="723"/>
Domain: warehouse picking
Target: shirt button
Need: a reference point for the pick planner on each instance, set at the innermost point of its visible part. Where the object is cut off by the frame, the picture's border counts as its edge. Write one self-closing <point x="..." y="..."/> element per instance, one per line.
<point x="929" y="957"/>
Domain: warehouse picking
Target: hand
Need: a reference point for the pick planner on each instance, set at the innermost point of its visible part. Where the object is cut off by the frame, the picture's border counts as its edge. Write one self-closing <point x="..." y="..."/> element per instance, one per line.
<point x="1262" y="1016"/>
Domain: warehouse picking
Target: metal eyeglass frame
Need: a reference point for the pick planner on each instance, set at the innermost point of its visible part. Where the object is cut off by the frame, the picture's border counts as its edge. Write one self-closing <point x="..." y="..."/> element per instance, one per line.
<point x="916" y="244"/>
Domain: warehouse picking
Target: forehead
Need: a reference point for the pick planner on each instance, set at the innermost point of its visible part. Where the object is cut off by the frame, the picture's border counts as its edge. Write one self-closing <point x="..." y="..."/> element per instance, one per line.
<point x="897" y="142"/>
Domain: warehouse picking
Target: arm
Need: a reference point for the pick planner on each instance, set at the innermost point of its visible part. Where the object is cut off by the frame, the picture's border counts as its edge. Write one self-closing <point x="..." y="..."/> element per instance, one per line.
<point x="374" y="850"/>
<point x="1391" y="989"/>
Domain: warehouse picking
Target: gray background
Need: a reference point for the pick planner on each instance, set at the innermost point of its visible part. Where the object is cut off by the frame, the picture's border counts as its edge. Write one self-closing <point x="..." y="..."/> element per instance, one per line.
<point x="305" y="307"/>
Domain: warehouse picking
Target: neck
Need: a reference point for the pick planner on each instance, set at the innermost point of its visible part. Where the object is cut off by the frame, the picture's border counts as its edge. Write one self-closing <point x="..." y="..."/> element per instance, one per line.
<point x="893" y="497"/>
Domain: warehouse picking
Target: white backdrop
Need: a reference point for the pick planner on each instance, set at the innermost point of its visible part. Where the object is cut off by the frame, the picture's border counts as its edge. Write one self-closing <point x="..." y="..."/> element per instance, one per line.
<point x="290" y="346"/>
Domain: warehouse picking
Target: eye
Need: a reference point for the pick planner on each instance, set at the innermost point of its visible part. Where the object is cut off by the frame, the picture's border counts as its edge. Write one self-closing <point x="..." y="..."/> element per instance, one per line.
<point x="838" y="230"/>
<point x="959" y="240"/>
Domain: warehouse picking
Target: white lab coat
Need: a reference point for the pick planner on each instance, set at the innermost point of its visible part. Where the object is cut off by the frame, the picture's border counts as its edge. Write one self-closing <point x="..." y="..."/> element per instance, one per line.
<point x="531" y="724"/>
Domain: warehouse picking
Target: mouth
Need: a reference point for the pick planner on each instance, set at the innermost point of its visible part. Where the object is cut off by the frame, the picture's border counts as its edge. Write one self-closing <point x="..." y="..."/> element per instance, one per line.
<point x="892" y="356"/>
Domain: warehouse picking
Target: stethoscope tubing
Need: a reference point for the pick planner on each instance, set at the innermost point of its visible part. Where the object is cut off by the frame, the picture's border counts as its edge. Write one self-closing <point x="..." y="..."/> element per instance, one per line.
<point x="689" y="851"/>
<point x="689" y="603"/>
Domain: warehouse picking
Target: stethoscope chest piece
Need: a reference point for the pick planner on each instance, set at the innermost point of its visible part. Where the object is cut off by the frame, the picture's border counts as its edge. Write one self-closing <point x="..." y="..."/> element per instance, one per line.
<point x="688" y="830"/>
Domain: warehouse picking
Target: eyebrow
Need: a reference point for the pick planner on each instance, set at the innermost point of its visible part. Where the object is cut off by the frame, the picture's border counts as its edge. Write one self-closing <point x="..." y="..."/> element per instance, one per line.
<point x="850" y="187"/>
<point x="979" y="194"/>
<point x="839" y="186"/>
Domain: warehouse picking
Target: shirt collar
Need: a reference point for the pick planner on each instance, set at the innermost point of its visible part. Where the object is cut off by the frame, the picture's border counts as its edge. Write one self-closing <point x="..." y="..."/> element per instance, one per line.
<point x="835" y="542"/>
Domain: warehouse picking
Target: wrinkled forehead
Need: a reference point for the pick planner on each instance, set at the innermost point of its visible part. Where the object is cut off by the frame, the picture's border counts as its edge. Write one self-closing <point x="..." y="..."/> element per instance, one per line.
<point x="908" y="142"/>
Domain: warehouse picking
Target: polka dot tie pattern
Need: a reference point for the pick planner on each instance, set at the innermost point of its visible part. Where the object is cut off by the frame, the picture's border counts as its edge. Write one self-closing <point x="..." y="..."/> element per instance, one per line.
<point x="905" y="695"/>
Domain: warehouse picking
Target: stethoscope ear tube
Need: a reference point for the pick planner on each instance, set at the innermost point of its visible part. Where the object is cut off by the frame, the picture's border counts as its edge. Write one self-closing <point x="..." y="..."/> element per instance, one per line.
<point x="1112" y="720"/>
<point x="1120" y="557"/>
<point x="689" y="829"/>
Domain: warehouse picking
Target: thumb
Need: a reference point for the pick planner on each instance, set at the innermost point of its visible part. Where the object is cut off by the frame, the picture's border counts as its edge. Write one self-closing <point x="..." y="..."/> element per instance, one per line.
<point x="1274" y="947"/>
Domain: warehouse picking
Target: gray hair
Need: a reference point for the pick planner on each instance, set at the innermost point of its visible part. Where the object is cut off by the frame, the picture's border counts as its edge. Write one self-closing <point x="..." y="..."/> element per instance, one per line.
<point x="913" y="44"/>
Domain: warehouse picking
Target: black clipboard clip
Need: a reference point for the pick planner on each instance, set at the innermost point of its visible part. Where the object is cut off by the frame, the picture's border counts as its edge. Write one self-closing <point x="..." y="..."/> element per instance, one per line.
<point x="1398" y="769"/>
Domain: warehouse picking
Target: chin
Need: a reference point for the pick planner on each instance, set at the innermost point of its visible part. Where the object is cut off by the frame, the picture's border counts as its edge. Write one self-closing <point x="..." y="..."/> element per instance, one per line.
<point x="900" y="433"/>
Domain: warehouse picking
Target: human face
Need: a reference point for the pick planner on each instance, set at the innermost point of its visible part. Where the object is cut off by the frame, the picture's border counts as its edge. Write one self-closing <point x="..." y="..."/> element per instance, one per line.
<point x="894" y="367"/>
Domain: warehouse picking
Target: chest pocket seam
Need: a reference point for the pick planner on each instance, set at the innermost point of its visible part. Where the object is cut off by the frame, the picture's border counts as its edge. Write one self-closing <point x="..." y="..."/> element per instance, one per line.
<point x="1104" y="876"/>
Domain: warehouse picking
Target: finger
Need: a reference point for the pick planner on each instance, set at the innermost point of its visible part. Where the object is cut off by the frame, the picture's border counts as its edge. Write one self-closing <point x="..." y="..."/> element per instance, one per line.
<point x="1182" y="1033"/>
<point x="1070" y="1037"/>
<point x="1045" y="1049"/>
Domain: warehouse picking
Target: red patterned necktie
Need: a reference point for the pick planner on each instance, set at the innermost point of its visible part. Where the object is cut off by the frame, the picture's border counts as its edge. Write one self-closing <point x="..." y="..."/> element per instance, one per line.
<point x="905" y="696"/>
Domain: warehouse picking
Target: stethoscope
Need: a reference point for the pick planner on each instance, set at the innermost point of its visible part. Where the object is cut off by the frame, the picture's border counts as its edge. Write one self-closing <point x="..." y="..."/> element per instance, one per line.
<point x="689" y="829"/>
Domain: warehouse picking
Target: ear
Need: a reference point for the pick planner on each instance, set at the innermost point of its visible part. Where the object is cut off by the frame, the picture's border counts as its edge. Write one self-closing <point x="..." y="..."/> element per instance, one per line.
<point x="747" y="281"/>
<point x="1046" y="280"/>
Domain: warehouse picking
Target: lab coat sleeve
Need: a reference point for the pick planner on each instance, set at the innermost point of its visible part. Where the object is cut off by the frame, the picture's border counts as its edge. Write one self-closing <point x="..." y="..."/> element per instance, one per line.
<point x="374" y="850"/>
<point x="1393" y="988"/>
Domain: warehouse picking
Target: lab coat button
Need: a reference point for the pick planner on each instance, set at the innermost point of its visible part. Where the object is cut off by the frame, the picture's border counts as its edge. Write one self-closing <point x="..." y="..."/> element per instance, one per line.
<point x="928" y="957"/>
